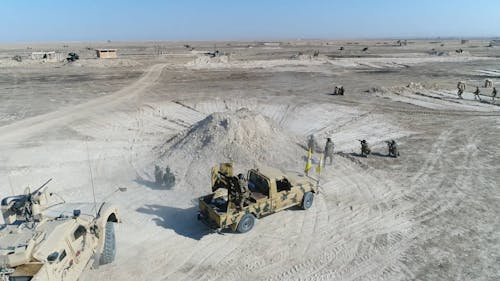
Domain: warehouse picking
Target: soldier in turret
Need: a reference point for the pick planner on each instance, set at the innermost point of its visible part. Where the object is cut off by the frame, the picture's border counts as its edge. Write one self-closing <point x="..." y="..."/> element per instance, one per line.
<point x="243" y="192"/>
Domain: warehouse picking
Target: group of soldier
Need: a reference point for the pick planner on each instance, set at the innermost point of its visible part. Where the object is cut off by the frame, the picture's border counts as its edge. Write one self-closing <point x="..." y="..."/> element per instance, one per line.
<point x="164" y="179"/>
<point x="487" y="84"/>
<point x="338" y="90"/>
<point x="392" y="148"/>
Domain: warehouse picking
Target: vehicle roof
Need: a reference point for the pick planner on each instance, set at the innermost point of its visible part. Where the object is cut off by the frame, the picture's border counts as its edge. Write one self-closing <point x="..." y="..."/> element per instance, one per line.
<point x="270" y="172"/>
<point x="276" y="174"/>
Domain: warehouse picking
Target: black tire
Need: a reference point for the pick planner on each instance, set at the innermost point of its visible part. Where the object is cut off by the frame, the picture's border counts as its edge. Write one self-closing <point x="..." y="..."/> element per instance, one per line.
<point x="307" y="201"/>
<point x="246" y="223"/>
<point x="109" y="248"/>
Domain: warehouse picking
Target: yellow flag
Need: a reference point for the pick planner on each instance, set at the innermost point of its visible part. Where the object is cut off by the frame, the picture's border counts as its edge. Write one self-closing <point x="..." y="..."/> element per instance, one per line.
<point x="309" y="162"/>
<point x="318" y="168"/>
<point x="308" y="166"/>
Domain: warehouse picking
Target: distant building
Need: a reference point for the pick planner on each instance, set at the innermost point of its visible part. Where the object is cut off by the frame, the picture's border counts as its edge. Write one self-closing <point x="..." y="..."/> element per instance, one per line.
<point x="271" y="44"/>
<point x="50" y="56"/>
<point x="106" y="53"/>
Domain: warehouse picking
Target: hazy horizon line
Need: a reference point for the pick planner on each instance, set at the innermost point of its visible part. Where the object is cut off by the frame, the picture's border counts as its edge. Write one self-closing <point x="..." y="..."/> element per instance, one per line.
<point x="265" y="39"/>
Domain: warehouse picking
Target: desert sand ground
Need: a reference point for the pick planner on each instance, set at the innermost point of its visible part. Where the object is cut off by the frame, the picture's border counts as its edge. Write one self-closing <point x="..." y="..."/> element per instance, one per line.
<point x="431" y="214"/>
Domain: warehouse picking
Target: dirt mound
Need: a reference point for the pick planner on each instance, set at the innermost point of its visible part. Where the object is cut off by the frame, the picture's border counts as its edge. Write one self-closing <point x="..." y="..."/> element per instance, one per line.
<point x="448" y="53"/>
<point x="205" y="60"/>
<point x="377" y="89"/>
<point x="243" y="137"/>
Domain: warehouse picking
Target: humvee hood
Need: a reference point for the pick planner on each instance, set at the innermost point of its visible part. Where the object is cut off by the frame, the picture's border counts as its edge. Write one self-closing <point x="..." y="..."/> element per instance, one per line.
<point x="53" y="231"/>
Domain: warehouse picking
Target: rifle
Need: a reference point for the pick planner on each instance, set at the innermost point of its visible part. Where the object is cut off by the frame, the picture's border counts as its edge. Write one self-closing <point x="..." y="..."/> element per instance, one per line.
<point x="40" y="188"/>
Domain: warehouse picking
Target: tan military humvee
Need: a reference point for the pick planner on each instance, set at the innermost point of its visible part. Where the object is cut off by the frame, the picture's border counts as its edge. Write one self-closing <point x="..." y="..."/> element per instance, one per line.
<point x="271" y="191"/>
<point x="45" y="238"/>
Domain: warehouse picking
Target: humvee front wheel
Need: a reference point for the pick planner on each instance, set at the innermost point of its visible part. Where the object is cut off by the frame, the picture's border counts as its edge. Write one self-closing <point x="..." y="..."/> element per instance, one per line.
<point x="307" y="201"/>
<point x="246" y="223"/>
<point x="109" y="249"/>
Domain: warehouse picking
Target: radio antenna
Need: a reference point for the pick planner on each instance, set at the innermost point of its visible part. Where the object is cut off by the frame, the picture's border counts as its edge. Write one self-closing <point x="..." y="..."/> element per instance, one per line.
<point x="91" y="176"/>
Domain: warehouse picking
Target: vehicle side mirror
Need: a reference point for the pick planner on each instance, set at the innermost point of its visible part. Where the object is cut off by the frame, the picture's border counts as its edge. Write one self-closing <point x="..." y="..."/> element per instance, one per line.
<point x="52" y="257"/>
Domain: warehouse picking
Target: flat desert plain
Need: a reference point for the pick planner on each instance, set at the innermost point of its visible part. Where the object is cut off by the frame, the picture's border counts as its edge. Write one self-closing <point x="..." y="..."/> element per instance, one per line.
<point x="430" y="214"/>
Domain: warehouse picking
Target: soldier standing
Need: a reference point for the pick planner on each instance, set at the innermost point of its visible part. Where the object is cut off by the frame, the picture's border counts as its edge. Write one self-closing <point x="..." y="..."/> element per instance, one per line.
<point x="487" y="83"/>
<point x="461" y="89"/>
<point x="158" y="175"/>
<point x="310" y="143"/>
<point x="493" y="94"/>
<point x="329" y="146"/>
<point x="476" y="93"/>
<point x="244" y="193"/>
<point x="393" y="148"/>
<point x="341" y="90"/>
<point x="168" y="178"/>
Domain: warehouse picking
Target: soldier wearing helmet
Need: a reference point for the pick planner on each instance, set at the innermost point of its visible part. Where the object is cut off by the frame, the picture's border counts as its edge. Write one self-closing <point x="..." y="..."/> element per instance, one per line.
<point x="243" y="194"/>
<point x="329" y="146"/>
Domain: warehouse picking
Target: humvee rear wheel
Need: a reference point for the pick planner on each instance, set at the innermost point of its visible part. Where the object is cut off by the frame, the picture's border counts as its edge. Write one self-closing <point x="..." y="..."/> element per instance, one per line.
<point x="246" y="223"/>
<point x="109" y="248"/>
<point x="307" y="201"/>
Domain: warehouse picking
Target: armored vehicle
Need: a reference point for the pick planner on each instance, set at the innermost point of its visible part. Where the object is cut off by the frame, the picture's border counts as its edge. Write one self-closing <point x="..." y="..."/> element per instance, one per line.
<point x="45" y="238"/>
<point x="270" y="191"/>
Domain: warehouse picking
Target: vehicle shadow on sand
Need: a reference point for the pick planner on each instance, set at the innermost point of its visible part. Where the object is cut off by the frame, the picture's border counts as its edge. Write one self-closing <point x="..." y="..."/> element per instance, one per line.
<point x="182" y="221"/>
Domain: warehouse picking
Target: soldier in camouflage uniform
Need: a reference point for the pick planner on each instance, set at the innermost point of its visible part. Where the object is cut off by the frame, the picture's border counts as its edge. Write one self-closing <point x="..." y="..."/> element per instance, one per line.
<point x="243" y="193"/>
<point x="461" y="89"/>
<point x="393" y="148"/>
<point x="310" y="143"/>
<point x="168" y="178"/>
<point x="341" y="90"/>
<point x="476" y="93"/>
<point x="365" y="149"/>
<point x="329" y="146"/>
<point x="158" y="175"/>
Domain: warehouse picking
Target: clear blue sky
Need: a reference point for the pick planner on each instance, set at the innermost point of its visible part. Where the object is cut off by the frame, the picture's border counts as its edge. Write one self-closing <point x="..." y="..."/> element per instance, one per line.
<point x="150" y="20"/>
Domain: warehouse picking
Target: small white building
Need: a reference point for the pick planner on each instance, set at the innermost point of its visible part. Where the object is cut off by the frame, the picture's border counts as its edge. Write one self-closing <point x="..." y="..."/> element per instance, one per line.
<point x="50" y="56"/>
<point x="106" y="53"/>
